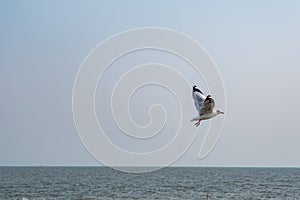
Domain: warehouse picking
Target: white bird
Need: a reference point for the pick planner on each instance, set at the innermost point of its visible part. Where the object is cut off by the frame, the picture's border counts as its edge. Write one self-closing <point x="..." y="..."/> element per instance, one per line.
<point x="204" y="105"/>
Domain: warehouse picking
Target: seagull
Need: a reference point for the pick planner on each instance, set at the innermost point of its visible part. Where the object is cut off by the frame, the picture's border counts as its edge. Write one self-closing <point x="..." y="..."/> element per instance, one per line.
<point x="204" y="105"/>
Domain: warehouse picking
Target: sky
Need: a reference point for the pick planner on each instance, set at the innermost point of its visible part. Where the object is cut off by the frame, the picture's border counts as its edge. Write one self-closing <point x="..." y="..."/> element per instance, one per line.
<point x="254" y="44"/>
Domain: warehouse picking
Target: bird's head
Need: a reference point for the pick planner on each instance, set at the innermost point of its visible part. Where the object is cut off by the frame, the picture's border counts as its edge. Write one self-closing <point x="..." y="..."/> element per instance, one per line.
<point x="208" y="96"/>
<point x="194" y="87"/>
<point x="219" y="112"/>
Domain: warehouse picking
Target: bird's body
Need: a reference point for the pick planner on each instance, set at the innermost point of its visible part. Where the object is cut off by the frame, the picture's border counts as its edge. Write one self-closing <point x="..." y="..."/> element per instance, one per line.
<point x="205" y="116"/>
<point x="204" y="105"/>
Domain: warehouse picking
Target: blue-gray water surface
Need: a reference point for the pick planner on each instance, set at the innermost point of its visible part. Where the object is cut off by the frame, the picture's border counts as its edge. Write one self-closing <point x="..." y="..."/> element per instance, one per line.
<point x="168" y="183"/>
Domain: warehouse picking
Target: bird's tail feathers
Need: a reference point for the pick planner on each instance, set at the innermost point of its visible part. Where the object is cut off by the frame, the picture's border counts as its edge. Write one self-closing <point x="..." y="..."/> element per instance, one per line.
<point x="195" y="119"/>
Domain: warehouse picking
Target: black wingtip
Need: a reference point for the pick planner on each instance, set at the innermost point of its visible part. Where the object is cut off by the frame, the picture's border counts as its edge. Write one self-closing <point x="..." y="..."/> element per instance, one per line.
<point x="195" y="89"/>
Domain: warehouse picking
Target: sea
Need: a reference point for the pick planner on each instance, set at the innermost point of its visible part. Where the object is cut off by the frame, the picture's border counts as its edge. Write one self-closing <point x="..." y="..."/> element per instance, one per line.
<point x="40" y="183"/>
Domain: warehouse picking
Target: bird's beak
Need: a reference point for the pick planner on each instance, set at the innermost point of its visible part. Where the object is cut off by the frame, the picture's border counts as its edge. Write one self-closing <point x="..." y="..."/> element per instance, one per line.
<point x="222" y="112"/>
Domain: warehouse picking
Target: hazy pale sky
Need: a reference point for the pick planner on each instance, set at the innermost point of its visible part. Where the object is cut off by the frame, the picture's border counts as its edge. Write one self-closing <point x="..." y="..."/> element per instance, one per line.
<point x="255" y="45"/>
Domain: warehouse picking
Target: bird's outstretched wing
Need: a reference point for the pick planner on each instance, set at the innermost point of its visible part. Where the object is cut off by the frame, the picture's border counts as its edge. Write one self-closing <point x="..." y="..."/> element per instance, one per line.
<point x="198" y="100"/>
<point x="208" y="106"/>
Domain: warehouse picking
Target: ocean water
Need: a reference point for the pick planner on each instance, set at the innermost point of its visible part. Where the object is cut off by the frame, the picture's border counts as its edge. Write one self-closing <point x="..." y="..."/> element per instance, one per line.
<point x="168" y="183"/>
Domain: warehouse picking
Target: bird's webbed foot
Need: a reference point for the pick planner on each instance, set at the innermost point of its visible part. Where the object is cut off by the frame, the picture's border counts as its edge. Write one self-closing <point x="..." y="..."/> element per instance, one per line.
<point x="197" y="123"/>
